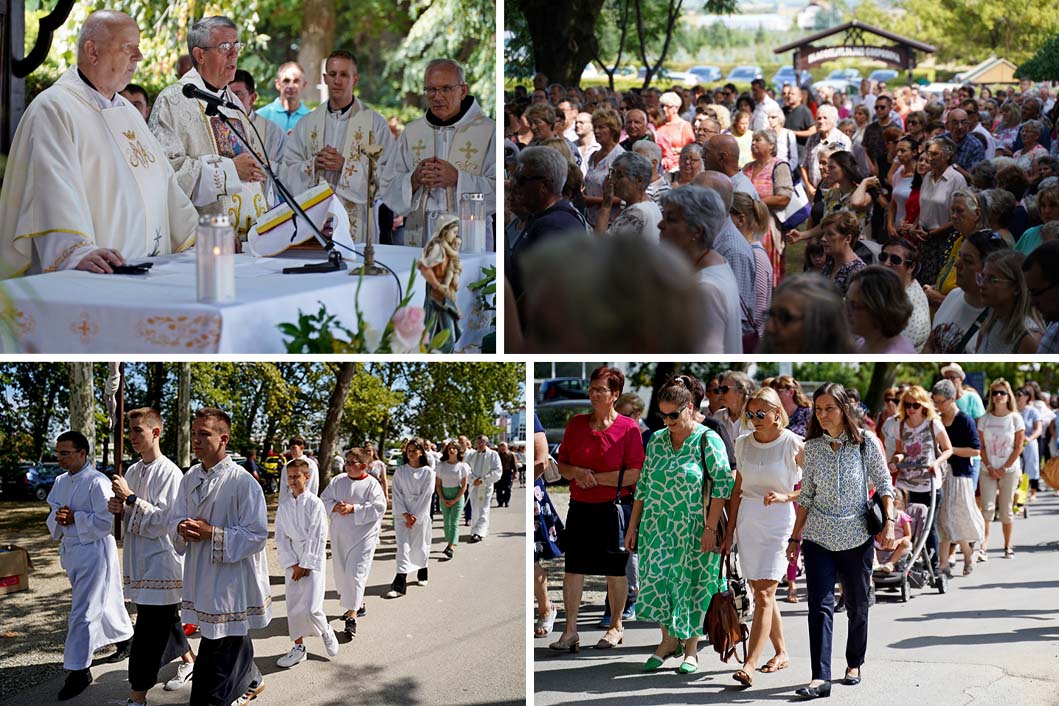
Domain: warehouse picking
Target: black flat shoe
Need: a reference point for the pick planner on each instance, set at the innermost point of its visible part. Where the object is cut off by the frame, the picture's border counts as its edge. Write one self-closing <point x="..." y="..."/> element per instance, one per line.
<point x="815" y="692"/>
<point x="851" y="681"/>
<point x="121" y="652"/>
<point x="76" y="682"/>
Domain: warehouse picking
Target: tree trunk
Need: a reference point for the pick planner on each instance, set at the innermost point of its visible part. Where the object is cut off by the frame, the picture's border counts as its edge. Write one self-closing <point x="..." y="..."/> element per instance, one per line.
<point x="562" y="54"/>
<point x="883" y="375"/>
<point x="317" y="41"/>
<point x="83" y="404"/>
<point x="336" y="406"/>
<point x="663" y="371"/>
<point x="183" y="414"/>
<point x="155" y="383"/>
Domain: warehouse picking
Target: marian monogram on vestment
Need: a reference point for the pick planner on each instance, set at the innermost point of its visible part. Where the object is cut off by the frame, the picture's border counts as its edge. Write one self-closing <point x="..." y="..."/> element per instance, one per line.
<point x="139" y="156"/>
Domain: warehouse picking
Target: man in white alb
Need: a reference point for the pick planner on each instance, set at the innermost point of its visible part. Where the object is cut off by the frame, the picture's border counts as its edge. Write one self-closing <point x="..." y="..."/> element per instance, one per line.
<point x="80" y="521"/>
<point x="222" y="525"/>
<point x="213" y="165"/>
<point x="296" y="449"/>
<point x="449" y="152"/>
<point x="486" y="470"/>
<point x="333" y="142"/>
<point x="87" y="185"/>
<point x="153" y="571"/>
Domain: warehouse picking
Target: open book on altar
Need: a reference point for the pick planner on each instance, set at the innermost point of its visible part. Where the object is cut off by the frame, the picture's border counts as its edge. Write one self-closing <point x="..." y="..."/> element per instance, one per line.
<point x="279" y="230"/>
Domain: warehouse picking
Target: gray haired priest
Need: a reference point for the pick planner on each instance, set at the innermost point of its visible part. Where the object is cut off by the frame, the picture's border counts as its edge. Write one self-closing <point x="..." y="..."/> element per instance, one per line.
<point x="212" y="164"/>
<point x="449" y="152"/>
<point x="87" y="185"/>
<point x="332" y="144"/>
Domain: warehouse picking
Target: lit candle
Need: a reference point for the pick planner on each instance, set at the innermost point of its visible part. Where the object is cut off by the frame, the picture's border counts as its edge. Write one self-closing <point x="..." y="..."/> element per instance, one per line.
<point x="215" y="259"/>
<point x="472" y="222"/>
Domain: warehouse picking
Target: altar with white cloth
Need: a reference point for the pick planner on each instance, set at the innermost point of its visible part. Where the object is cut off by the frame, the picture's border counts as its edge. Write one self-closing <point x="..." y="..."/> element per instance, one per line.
<point x="79" y="312"/>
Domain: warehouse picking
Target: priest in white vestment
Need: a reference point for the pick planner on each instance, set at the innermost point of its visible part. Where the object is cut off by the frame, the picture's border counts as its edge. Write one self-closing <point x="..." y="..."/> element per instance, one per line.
<point x="442" y="156"/>
<point x="212" y="164"/>
<point x="244" y="88"/>
<point x="412" y="488"/>
<point x="356" y="504"/>
<point x="87" y="186"/>
<point x="153" y="571"/>
<point x="222" y="526"/>
<point x="79" y="519"/>
<point x="486" y="470"/>
<point x="296" y="450"/>
<point x="301" y="542"/>
<point x="333" y="142"/>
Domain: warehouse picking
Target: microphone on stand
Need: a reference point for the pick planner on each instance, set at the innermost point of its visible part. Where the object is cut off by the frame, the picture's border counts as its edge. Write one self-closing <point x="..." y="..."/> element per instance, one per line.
<point x="190" y="90"/>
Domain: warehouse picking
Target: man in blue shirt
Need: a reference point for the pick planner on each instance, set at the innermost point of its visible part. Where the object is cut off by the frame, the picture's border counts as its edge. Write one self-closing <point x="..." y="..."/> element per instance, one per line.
<point x="288" y="109"/>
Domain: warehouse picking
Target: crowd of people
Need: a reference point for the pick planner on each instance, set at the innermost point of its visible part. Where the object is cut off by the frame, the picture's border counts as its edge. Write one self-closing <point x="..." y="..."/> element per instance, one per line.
<point x="194" y="548"/>
<point x="134" y="175"/>
<point x="925" y="222"/>
<point x="791" y="476"/>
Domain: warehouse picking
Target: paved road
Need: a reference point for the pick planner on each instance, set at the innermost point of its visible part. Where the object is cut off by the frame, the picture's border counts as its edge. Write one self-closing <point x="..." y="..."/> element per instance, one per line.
<point x="448" y="643"/>
<point x="992" y="639"/>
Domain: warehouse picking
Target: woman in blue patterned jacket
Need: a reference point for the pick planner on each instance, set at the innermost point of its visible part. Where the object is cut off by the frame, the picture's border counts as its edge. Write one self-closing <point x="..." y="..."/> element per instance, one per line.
<point x="840" y="460"/>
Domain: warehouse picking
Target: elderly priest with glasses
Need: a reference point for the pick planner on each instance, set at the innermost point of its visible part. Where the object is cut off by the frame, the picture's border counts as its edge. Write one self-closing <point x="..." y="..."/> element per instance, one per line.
<point x="87" y="185"/>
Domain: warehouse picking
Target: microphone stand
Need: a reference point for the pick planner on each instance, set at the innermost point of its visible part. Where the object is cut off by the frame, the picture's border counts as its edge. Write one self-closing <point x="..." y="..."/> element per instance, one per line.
<point x="334" y="263"/>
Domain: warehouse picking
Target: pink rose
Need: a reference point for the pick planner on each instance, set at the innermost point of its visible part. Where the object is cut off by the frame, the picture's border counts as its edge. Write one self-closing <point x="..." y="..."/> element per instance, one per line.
<point x="408" y="325"/>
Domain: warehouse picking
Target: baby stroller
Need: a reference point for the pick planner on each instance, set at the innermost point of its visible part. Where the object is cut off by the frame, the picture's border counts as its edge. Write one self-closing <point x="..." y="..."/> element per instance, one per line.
<point x="915" y="568"/>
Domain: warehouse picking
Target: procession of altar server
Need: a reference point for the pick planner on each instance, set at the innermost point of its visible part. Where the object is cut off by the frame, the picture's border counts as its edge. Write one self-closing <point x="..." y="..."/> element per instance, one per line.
<point x="194" y="550"/>
<point x="84" y="140"/>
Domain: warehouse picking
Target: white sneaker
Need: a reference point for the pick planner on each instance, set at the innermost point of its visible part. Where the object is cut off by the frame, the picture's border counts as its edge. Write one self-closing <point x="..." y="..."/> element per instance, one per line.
<point x="393" y="593"/>
<point x="422" y="582"/>
<point x="296" y="655"/>
<point x="184" y="672"/>
<point x="250" y="694"/>
<point x="330" y="642"/>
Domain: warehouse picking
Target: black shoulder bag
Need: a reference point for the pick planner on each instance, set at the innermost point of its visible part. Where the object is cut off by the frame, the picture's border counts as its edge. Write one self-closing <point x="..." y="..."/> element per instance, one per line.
<point x="874" y="516"/>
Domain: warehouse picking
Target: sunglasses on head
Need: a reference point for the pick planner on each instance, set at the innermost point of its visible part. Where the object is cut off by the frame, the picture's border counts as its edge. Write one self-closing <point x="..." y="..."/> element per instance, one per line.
<point x="671" y="416"/>
<point x="911" y="405"/>
<point x="758" y="414"/>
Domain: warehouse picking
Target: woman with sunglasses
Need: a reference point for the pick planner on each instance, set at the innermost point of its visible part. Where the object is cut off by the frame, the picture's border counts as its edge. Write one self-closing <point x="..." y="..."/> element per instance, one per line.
<point x="959" y="519"/>
<point x="901" y="257"/>
<point x="762" y="517"/>
<point x="735" y="387"/>
<point x="922" y="441"/>
<point x="839" y="460"/>
<point x="1031" y="459"/>
<point x="807" y="316"/>
<point x="886" y="419"/>
<point x="673" y="526"/>
<point x="796" y="405"/>
<point x="878" y="310"/>
<point x="1013" y="325"/>
<point x="1003" y="433"/>
<point x="598" y="451"/>
<point x="915" y="125"/>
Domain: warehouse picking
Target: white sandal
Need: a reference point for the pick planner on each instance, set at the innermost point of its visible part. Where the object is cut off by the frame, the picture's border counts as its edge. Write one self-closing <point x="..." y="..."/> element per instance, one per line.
<point x="545" y="624"/>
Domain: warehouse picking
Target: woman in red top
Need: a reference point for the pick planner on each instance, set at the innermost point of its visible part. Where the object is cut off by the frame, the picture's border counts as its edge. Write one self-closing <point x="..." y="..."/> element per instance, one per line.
<point x="595" y="448"/>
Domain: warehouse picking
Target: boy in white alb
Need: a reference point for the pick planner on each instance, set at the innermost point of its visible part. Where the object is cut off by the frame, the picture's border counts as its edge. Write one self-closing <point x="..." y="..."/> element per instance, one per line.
<point x="356" y="504"/>
<point x="301" y="541"/>
<point x="153" y="571"/>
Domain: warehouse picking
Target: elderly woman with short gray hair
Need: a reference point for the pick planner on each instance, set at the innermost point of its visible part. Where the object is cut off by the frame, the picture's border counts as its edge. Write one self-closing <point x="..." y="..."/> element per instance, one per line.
<point x="628" y="178"/>
<point x="1031" y="145"/>
<point x="691" y="219"/>
<point x="959" y="519"/>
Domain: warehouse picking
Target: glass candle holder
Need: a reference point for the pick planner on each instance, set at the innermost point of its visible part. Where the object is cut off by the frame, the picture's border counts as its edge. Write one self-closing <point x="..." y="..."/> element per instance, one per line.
<point x="472" y="222"/>
<point x="215" y="259"/>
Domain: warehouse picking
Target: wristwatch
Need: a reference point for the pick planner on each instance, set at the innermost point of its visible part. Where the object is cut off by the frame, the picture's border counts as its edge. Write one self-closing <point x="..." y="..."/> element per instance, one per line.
<point x="130" y="500"/>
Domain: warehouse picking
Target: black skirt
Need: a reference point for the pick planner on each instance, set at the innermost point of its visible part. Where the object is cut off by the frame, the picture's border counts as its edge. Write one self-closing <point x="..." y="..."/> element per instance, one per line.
<point x="590" y="539"/>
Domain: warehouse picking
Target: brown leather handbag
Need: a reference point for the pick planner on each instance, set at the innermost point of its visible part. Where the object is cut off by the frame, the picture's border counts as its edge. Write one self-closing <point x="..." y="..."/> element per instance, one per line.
<point x="722" y="625"/>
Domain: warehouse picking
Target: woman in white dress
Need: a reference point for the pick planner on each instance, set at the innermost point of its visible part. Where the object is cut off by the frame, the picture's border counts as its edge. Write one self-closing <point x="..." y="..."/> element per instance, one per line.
<point x="413" y="488"/>
<point x="762" y="517"/>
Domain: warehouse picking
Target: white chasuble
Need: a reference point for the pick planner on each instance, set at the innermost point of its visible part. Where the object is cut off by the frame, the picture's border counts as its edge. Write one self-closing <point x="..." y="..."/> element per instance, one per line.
<point x="85" y="173"/>
<point x="153" y="571"/>
<point x="412" y="490"/>
<point x="485" y="466"/>
<point x="301" y="538"/>
<point x="350" y="133"/>
<point x="89" y="555"/>
<point x="468" y="144"/>
<point x="202" y="148"/>
<point x="226" y="589"/>
<point x="355" y="536"/>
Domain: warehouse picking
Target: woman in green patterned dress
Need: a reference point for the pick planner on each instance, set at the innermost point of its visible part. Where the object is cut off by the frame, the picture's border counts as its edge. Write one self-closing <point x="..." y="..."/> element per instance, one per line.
<point x="674" y="528"/>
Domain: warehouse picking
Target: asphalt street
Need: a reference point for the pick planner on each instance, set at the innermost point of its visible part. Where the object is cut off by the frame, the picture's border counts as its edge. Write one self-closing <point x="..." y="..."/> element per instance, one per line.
<point x="992" y="639"/>
<point x="457" y="641"/>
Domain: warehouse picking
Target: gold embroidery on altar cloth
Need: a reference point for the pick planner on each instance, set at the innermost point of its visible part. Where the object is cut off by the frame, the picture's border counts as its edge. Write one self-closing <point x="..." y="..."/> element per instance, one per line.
<point x="139" y="156"/>
<point x="25" y="324"/>
<point x="84" y="328"/>
<point x="199" y="333"/>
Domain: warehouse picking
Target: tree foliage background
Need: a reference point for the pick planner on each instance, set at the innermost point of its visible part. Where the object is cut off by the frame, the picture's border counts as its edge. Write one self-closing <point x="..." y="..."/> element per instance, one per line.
<point x="393" y="41"/>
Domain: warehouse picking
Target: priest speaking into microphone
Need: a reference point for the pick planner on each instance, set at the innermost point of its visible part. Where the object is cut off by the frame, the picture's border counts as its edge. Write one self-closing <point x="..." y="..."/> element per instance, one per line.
<point x="87" y="185"/>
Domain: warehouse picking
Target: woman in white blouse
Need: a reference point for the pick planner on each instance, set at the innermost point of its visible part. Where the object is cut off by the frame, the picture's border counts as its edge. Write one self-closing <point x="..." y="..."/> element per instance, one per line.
<point x="1002" y="431"/>
<point x="452" y="475"/>
<point x="838" y="461"/>
<point x="762" y="517"/>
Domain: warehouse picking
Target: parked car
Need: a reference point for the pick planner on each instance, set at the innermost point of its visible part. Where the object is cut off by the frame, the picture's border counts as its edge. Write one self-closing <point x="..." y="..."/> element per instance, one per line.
<point x="41" y="477"/>
<point x="393" y="459"/>
<point x="745" y="74"/>
<point x="567" y="388"/>
<point x="851" y="75"/>
<point x="706" y="74"/>
<point x="14" y="483"/>
<point x="787" y="74"/>
<point x="555" y="415"/>
<point x="883" y="75"/>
